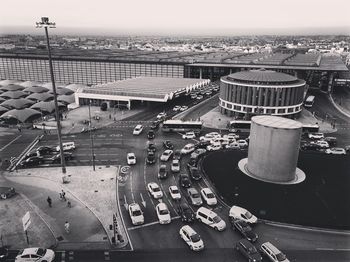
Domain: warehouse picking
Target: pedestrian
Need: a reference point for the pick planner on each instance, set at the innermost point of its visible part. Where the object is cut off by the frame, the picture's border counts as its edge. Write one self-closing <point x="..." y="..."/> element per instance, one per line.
<point x="49" y="201"/>
<point x="69" y="204"/>
<point x="63" y="195"/>
<point x="19" y="129"/>
<point x="67" y="227"/>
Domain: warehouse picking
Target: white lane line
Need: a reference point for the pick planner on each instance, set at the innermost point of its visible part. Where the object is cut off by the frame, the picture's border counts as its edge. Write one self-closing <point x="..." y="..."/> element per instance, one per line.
<point x="169" y="200"/>
<point x="149" y="224"/>
<point x="332" y="249"/>
<point x="125" y="203"/>
<point x="131" y="188"/>
<point x="143" y="201"/>
<point x="9" y="143"/>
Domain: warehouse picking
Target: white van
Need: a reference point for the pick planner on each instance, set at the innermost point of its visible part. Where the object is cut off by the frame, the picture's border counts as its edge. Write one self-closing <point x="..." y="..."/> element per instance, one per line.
<point x="210" y="218"/>
<point x="66" y="146"/>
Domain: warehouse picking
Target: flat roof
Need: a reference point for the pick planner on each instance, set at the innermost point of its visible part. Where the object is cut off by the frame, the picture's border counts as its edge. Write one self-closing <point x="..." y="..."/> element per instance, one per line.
<point x="146" y="88"/>
<point x="277" y="122"/>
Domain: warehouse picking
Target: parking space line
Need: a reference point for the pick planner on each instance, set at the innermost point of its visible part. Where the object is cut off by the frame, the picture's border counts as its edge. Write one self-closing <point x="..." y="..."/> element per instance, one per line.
<point x="9" y="143"/>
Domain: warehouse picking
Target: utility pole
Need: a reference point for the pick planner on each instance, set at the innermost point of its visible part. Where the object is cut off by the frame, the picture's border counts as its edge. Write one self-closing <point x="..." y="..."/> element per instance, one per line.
<point x="46" y="24"/>
<point x="92" y="139"/>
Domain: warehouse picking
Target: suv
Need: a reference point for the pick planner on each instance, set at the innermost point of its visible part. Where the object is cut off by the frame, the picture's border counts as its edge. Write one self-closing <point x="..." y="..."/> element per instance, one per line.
<point x="185" y="212"/>
<point x="191" y="238"/>
<point x="194" y="173"/>
<point x="194" y="196"/>
<point x="273" y="253"/>
<point x="151" y="158"/>
<point x="244" y="229"/>
<point x="248" y="250"/>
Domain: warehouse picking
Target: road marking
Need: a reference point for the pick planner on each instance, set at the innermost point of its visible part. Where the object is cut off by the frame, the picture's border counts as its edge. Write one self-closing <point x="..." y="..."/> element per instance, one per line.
<point x="131" y="189"/>
<point x="9" y="143"/>
<point x="332" y="249"/>
<point x="149" y="224"/>
<point x="143" y="201"/>
<point x="125" y="203"/>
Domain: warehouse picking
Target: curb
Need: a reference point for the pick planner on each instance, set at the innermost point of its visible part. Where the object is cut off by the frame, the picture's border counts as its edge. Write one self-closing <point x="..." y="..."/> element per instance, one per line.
<point x="339" y="108"/>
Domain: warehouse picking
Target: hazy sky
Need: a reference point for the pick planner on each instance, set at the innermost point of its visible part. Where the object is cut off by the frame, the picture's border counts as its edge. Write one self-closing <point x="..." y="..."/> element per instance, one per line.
<point x="179" y="16"/>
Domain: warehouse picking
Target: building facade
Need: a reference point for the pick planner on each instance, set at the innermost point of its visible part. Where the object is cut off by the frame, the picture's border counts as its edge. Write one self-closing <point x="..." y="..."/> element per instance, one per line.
<point x="256" y="92"/>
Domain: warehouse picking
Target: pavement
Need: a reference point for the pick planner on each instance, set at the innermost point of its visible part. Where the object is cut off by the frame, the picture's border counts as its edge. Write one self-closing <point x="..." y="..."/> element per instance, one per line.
<point x="341" y="100"/>
<point x="75" y="120"/>
<point x="93" y="202"/>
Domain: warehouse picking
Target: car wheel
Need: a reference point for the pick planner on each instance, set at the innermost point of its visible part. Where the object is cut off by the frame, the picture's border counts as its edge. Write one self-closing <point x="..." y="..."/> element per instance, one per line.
<point x="199" y="220"/>
<point x="191" y="247"/>
<point x="216" y="228"/>
<point x="3" y="196"/>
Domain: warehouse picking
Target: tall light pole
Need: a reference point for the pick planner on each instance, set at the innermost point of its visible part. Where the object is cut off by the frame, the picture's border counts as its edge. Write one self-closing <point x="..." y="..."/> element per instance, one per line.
<point x="92" y="139"/>
<point x="45" y="23"/>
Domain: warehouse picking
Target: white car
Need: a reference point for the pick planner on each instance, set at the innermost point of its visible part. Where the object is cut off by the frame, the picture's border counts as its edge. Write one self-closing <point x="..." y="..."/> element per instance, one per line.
<point x="36" y="254"/>
<point x="189" y="135"/>
<point x="166" y="155"/>
<point x="231" y="137"/>
<point x="336" y="151"/>
<point x="316" y="135"/>
<point x="131" y="159"/>
<point x="189" y="148"/>
<point x="199" y="151"/>
<point x="154" y="190"/>
<point x="176" y="108"/>
<point x="273" y="253"/>
<point x="137" y="130"/>
<point x="242" y="143"/>
<point x="214" y="147"/>
<point x="242" y="214"/>
<point x="199" y="97"/>
<point x="322" y="144"/>
<point x="233" y="145"/>
<point x="209" y="196"/>
<point x="163" y="214"/>
<point x="174" y="192"/>
<point x="222" y="140"/>
<point x="183" y="108"/>
<point x="136" y="214"/>
<point x="161" y="115"/>
<point x="192" y="239"/>
<point x="175" y="165"/>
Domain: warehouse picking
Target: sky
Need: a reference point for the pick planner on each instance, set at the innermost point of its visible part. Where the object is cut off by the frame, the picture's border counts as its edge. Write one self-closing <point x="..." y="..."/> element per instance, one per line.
<point x="179" y="17"/>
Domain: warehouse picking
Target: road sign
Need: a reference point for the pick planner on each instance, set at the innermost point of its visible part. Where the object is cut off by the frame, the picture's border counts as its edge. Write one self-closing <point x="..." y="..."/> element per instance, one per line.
<point x="26" y="221"/>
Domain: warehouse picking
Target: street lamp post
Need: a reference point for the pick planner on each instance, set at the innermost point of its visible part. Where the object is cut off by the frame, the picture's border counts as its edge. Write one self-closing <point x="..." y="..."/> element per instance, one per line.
<point x="45" y="23"/>
<point x="92" y="139"/>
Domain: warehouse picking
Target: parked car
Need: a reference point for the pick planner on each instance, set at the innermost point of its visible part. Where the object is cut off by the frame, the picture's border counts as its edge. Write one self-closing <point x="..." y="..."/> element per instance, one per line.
<point x="175" y="166"/>
<point x="154" y="190"/>
<point x="242" y="143"/>
<point x="166" y="155"/>
<point x="176" y="108"/>
<point x="195" y="174"/>
<point x="244" y="229"/>
<point x="248" y="250"/>
<point x="185" y="180"/>
<point x="136" y="214"/>
<point x="209" y="196"/>
<point x="183" y="108"/>
<point x="151" y="157"/>
<point x="189" y="148"/>
<point x="194" y="196"/>
<point x="310" y="146"/>
<point x="131" y="159"/>
<point x="45" y="150"/>
<point x="191" y="238"/>
<point x="4" y="253"/>
<point x="322" y="144"/>
<point x="162" y="172"/>
<point x="36" y="254"/>
<point x="332" y="141"/>
<point x="189" y="135"/>
<point x="7" y="192"/>
<point x="185" y="212"/>
<point x="242" y="214"/>
<point x="336" y="151"/>
<point x="233" y="145"/>
<point x="272" y="252"/>
<point x="316" y="135"/>
<point x="137" y="130"/>
<point x="163" y="214"/>
<point x="174" y="192"/>
<point x="151" y="134"/>
<point x="161" y="115"/>
<point x="168" y="145"/>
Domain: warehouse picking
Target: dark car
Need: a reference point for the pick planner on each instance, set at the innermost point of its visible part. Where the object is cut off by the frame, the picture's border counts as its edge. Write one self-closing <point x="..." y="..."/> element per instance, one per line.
<point x="4" y="253"/>
<point x="151" y="134"/>
<point x="6" y="192"/>
<point x="185" y="181"/>
<point x="31" y="161"/>
<point x="46" y="150"/>
<point x="151" y="157"/>
<point x="244" y="229"/>
<point x="202" y="144"/>
<point x="248" y="250"/>
<point x="186" y="213"/>
<point x="195" y="174"/>
<point x="155" y="124"/>
<point x="32" y="154"/>
<point x="332" y="141"/>
<point x="311" y="146"/>
<point x="177" y="154"/>
<point x="57" y="158"/>
<point x="103" y="106"/>
<point x="168" y="145"/>
<point x="162" y="172"/>
<point x="151" y="148"/>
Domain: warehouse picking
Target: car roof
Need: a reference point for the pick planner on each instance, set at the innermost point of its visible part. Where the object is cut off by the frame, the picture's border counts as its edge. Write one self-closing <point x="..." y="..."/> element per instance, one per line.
<point x="30" y="250"/>
<point x="153" y="184"/>
<point x="192" y="190"/>
<point x="208" y="211"/>
<point x="173" y="187"/>
<point x="138" y="126"/>
<point x="162" y="206"/>
<point x="274" y="249"/>
<point x="134" y="206"/>
<point x="207" y="190"/>
<point x="189" y="230"/>
<point x="131" y="154"/>
<point x="246" y="243"/>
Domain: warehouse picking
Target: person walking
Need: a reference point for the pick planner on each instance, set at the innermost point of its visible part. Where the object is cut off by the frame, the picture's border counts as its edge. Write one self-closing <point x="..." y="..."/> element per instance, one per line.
<point x="63" y="195"/>
<point x="49" y="201"/>
<point x="67" y="227"/>
<point x="69" y="204"/>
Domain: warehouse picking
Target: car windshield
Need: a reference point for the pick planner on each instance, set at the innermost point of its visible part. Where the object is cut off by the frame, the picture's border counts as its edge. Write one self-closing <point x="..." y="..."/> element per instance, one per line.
<point x="195" y="238"/>
<point x="136" y="213"/>
<point x="163" y="211"/>
<point x="131" y="157"/>
<point x="216" y="219"/>
<point x="281" y="257"/>
<point x="210" y="195"/>
<point x="175" y="191"/>
<point x="41" y="252"/>
<point x="195" y="195"/>
<point x="248" y="214"/>
<point x="156" y="189"/>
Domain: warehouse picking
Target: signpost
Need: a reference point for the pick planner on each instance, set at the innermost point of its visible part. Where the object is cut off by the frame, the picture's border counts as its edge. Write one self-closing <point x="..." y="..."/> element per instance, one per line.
<point x="26" y="222"/>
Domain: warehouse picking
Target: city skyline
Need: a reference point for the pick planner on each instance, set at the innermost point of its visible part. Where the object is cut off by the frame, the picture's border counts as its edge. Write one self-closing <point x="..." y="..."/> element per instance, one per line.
<point x="178" y="18"/>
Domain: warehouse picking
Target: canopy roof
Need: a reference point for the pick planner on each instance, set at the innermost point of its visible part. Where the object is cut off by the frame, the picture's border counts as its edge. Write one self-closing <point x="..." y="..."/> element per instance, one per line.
<point x="67" y="99"/>
<point x="63" y="91"/>
<point x="75" y="87"/>
<point x="3" y="109"/>
<point x="36" y="89"/>
<point x="29" y="84"/>
<point x="49" y="85"/>
<point x="17" y="103"/>
<point x="14" y="94"/>
<point x="9" y="82"/>
<point x="46" y="106"/>
<point x="40" y="96"/>
<point x="11" y="87"/>
<point x="22" y="115"/>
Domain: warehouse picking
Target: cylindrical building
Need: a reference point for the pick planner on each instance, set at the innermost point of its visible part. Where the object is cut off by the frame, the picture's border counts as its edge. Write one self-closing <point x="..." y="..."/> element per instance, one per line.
<point x="261" y="91"/>
<point x="274" y="149"/>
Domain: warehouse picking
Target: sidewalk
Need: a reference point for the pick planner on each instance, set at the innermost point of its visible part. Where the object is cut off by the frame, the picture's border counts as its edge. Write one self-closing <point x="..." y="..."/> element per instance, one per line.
<point x="77" y="119"/>
<point x="214" y="119"/>
<point x="93" y="199"/>
<point x="341" y="100"/>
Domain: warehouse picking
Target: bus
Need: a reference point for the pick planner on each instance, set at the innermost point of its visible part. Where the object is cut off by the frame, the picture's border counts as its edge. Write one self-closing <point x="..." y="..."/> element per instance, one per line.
<point x="236" y="125"/>
<point x="182" y="126"/>
<point x="310" y="128"/>
<point x="310" y="100"/>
